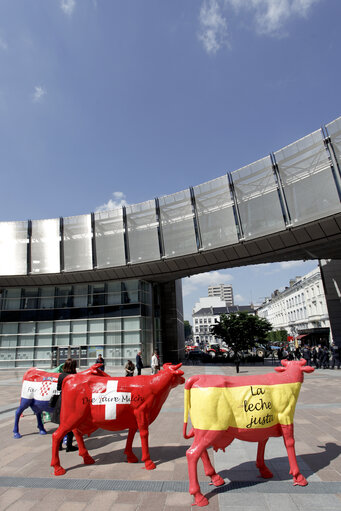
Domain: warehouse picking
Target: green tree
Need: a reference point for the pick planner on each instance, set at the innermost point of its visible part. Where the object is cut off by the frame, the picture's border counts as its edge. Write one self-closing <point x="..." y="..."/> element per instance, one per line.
<point x="242" y="331"/>
<point x="277" y="336"/>
<point x="188" y="329"/>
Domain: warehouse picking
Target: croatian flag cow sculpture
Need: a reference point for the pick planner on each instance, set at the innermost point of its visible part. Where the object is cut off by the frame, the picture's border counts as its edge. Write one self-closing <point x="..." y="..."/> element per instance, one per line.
<point x="251" y="408"/>
<point x="90" y="402"/>
<point x="38" y="386"/>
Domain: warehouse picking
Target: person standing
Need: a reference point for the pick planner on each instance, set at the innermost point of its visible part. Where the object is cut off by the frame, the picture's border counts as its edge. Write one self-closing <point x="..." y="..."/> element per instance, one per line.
<point x="155" y="363"/>
<point x="335" y="356"/>
<point x="139" y="363"/>
<point x="100" y="360"/>
<point x="69" y="368"/>
<point x="325" y="358"/>
<point x="306" y="354"/>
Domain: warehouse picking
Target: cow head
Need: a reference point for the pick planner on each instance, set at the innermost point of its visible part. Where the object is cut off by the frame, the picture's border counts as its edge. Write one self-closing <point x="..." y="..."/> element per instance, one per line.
<point x="176" y="372"/>
<point x="294" y="366"/>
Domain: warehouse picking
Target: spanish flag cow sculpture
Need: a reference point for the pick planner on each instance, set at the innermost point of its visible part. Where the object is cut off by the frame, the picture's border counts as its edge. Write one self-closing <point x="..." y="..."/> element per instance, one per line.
<point x="252" y="408"/>
<point x="38" y="386"/>
<point x="93" y="401"/>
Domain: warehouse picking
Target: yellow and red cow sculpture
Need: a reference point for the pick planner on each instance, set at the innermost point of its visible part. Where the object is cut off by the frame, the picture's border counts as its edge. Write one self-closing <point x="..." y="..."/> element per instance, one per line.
<point x="251" y="408"/>
<point x="91" y="401"/>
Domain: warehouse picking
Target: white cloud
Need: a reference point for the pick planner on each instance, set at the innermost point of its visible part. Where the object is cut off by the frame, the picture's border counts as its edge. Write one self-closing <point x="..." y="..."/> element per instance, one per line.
<point x="3" y="43"/>
<point x="270" y="16"/>
<point x="192" y="284"/>
<point x="212" y="26"/>
<point x="115" y="203"/>
<point x="291" y="264"/>
<point x="238" y="299"/>
<point x="68" y="6"/>
<point x="38" y="94"/>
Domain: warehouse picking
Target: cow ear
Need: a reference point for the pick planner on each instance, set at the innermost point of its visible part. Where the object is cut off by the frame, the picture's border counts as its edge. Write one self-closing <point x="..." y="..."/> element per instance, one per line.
<point x="308" y="369"/>
<point x="280" y="369"/>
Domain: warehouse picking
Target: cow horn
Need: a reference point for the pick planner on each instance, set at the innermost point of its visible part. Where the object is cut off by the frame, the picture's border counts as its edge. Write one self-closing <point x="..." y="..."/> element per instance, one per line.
<point x="175" y="368"/>
<point x="284" y="362"/>
<point x="303" y="362"/>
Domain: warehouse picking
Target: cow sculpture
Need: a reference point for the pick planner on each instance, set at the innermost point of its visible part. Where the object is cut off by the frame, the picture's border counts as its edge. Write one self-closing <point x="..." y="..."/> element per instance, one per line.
<point x="90" y="402"/>
<point x="38" y="386"/>
<point x="251" y="408"/>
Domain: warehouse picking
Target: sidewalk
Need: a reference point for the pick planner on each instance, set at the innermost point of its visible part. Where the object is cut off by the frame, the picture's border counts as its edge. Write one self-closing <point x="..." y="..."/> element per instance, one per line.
<point x="26" y="480"/>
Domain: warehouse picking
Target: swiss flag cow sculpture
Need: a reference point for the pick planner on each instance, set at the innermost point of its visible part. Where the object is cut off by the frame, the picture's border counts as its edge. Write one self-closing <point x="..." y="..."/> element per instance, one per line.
<point x="93" y="401"/>
<point x="38" y="386"/>
<point x="251" y="408"/>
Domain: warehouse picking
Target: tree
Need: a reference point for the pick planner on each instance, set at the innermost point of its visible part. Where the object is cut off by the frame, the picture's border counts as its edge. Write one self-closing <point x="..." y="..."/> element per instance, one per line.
<point x="278" y="336"/>
<point x="242" y="331"/>
<point x="187" y="329"/>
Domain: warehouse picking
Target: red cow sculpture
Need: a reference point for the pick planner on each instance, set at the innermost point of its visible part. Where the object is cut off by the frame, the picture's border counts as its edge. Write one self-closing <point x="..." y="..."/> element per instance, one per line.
<point x="251" y="408"/>
<point x="90" y="402"/>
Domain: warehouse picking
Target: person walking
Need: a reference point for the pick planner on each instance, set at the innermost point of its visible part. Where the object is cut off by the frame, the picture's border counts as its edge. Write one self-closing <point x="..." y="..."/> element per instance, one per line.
<point x="129" y="368"/>
<point x="139" y="363"/>
<point x="69" y="368"/>
<point x="306" y="354"/>
<point x="325" y="358"/>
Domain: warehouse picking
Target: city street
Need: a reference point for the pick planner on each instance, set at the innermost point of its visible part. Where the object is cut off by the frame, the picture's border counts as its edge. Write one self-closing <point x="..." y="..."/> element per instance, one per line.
<point x="27" y="480"/>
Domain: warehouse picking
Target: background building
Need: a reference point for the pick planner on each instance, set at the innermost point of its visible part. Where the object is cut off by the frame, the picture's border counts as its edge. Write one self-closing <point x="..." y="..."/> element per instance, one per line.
<point x="224" y="291"/>
<point x="300" y="309"/>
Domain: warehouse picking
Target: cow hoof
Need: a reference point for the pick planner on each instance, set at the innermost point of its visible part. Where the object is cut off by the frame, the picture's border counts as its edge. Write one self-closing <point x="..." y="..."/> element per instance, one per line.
<point x="59" y="471"/>
<point x="16" y="435"/>
<point x="266" y="473"/>
<point x="300" y="480"/>
<point x="42" y="432"/>
<point x="88" y="460"/>
<point x="217" y="480"/>
<point x="200" y="500"/>
<point x="149" y="465"/>
<point x="131" y="458"/>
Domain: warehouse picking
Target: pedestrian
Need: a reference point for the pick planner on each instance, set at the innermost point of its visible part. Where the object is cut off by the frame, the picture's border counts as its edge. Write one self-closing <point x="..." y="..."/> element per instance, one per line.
<point x="100" y="360"/>
<point x="314" y="355"/>
<point x="237" y="361"/>
<point x="155" y="363"/>
<point x="298" y="353"/>
<point x="69" y="368"/>
<point x="325" y="358"/>
<point x="319" y="356"/>
<point x="306" y="354"/>
<point x="139" y="363"/>
<point x="335" y="356"/>
<point x="129" y="368"/>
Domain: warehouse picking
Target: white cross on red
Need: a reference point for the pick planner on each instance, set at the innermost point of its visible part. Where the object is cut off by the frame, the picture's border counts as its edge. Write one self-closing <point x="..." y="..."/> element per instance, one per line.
<point x="110" y="398"/>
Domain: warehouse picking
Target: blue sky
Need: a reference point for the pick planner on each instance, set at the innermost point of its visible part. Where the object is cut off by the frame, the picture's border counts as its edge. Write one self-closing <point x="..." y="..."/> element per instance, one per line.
<point x="104" y="102"/>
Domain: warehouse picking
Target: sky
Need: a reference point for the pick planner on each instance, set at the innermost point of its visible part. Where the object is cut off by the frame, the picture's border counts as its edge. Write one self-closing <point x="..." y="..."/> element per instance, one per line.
<point x="112" y="102"/>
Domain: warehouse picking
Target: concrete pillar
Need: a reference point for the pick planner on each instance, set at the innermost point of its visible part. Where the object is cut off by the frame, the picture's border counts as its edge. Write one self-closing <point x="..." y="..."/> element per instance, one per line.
<point x="172" y="323"/>
<point x="331" y="278"/>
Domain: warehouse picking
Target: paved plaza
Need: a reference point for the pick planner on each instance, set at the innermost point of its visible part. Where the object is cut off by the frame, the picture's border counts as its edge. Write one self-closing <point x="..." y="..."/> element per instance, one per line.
<point x="27" y="481"/>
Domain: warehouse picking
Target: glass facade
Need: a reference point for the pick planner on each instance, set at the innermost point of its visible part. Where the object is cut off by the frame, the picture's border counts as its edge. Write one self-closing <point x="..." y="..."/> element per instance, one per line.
<point x="40" y="326"/>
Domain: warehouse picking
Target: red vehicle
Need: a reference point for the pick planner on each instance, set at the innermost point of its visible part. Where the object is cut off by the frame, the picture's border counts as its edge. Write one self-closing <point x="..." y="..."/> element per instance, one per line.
<point x="215" y="351"/>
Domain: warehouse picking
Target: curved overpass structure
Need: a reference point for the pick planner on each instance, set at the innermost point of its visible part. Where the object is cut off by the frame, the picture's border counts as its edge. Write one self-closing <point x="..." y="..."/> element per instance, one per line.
<point x="285" y="206"/>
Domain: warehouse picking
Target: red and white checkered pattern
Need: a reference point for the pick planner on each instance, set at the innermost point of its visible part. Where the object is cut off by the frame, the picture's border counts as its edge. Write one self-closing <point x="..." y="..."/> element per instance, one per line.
<point x="45" y="388"/>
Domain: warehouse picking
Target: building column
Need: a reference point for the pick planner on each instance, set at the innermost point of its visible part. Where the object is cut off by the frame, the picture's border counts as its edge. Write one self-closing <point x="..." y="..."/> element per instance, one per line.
<point x="331" y="278"/>
<point x="172" y="323"/>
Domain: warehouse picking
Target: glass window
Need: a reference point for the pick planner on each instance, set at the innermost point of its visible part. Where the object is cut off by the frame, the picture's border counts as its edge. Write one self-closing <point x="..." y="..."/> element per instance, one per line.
<point x="27" y="328"/>
<point x="109" y="236"/>
<point x="45" y="246"/>
<point x="96" y="339"/>
<point x="12" y="299"/>
<point x="98" y="294"/>
<point x="79" y="326"/>
<point x="114" y="293"/>
<point x="64" y="297"/>
<point x="30" y="298"/>
<point x="143" y="232"/>
<point x="131" y="324"/>
<point x="77" y="243"/>
<point x="13" y="248"/>
<point x="80" y="298"/>
<point x="96" y="325"/>
<point x="114" y="324"/>
<point x="177" y="219"/>
<point x="26" y="340"/>
<point x="130" y="291"/>
<point x="9" y="328"/>
<point x="47" y="297"/>
<point x="62" y="327"/>
<point x="43" y="354"/>
<point x="78" y="339"/>
<point x="114" y="338"/>
<point x="44" y="340"/>
<point x="62" y="340"/>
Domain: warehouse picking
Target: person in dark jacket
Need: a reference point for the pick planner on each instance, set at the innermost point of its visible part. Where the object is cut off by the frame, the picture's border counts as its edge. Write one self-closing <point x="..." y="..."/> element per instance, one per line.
<point x="306" y="354"/>
<point x="325" y="358"/>
<point x="69" y="368"/>
<point x="139" y="363"/>
<point x="335" y="356"/>
<point x="100" y="360"/>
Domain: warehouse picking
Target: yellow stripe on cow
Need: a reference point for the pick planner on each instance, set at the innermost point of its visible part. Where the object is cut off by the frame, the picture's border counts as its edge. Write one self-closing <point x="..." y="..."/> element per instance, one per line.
<point x="251" y="406"/>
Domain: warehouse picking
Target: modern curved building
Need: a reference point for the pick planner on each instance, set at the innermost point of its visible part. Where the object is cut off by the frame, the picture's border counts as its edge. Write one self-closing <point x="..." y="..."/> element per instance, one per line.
<point x="109" y="282"/>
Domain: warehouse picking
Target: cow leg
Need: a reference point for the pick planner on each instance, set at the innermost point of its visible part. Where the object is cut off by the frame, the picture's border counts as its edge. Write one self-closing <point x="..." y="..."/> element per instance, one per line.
<point x="289" y="441"/>
<point x="82" y="450"/>
<point x="193" y="454"/>
<point x="263" y="469"/>
<point x="209" y="470"/>
<point x="18" y="413"/>
<point x="57" y="437"/>
<point x="131" y="458"/>
<point x="40" y="424"/>
<point x="148" y="463"/>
